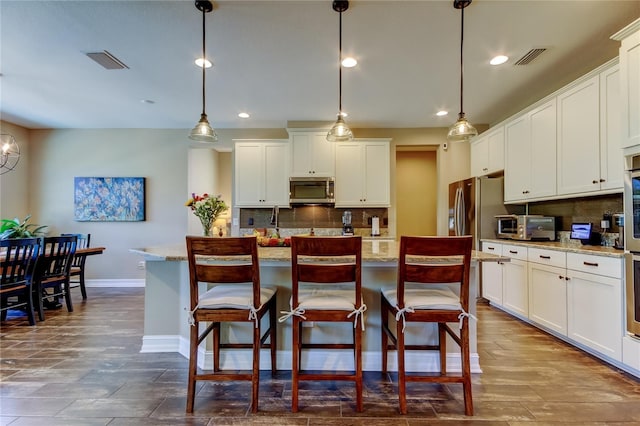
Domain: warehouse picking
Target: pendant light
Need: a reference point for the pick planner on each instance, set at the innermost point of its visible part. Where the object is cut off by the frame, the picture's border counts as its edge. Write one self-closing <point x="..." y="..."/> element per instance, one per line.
<point x="203" y="131"/>
<point x="461" y="130"/>
<point x="340" y="132"/>
<point x="9" y="153"/>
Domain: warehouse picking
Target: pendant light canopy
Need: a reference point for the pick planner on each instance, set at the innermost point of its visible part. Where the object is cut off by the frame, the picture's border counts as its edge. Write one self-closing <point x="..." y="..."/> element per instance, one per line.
<point x="9" y="153"/>
<point x="203" y="131"/>
<point x="340" y="132"/>
<point x="461" y="130"/>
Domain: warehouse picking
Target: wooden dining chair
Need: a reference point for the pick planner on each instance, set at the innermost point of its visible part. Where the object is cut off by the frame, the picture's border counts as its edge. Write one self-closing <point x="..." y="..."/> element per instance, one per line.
<point x="231" y="267"/>
<point x="52" y="271"/>
<point x="76" y="274"/>
<point x="427" y="269"/>
<point x="320" y="267"/>
<point x="18" y="258"/>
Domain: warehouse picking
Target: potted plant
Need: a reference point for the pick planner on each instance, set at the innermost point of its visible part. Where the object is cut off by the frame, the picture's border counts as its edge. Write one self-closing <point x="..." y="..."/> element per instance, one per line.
<point x="15" y="228"/>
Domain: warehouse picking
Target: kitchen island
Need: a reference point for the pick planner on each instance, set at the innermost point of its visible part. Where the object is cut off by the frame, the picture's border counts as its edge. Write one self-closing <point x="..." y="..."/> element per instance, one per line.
<point x="166" y="327"/>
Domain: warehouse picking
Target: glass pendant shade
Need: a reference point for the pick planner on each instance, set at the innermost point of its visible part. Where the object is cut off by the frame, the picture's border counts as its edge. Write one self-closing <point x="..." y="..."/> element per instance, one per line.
<point x="461" y="130"/>
<point x="340" y="132"/>
<point x="203" y="131"/>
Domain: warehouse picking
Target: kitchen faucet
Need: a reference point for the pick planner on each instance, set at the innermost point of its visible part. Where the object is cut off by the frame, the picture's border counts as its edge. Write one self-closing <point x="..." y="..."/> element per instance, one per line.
<point x="275" y="213"/>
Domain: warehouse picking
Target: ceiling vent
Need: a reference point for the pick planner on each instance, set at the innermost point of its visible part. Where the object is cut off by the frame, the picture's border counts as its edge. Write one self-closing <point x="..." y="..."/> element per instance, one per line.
<point x="107" y="60"/>
<point x="530" y="56"/>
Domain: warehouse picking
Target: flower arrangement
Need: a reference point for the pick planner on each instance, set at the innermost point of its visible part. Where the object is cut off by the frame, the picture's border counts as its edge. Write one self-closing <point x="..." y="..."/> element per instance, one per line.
<point x="206" y="208"/>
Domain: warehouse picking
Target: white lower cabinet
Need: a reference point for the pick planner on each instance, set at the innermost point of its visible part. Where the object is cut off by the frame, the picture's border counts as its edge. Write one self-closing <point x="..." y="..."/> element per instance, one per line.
<point x="515" y="292"/>
<point x="492" y="275"/>
<point x="548" y="289"/>
<point x="595" y="303"/>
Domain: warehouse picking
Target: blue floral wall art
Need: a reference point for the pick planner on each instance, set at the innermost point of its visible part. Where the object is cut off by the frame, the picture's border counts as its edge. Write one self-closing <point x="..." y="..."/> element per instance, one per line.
<point x="109" y="199"/>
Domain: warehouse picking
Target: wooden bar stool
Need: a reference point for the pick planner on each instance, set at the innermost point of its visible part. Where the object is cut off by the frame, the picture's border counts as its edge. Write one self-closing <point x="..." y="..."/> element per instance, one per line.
<point x="231" y="266"/>
<point x="326" y="286"/>
<point x="427" y="267"/>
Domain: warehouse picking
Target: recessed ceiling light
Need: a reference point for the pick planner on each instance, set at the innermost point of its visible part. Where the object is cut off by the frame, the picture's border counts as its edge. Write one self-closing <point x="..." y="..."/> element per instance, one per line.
<point x="442" y="113"/>
<point x="498" y="60"/>
<point x="147" y="101"/>
<point x="207" y="63"/>
<point x="243" y="115"/>
<point x="349" y="62"/>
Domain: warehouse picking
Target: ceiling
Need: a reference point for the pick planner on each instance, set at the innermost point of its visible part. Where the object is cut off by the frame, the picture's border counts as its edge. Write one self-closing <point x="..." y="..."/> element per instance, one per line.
<point x="278" y="60"/>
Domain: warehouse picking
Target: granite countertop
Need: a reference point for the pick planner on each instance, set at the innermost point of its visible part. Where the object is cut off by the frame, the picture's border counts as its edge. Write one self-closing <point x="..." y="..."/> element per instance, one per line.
<point x="382" y="251"/>
<point x="570" y="247"/>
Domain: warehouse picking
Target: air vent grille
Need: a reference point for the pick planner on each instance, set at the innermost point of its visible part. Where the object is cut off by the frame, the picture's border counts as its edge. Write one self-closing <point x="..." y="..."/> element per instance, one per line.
<point x="530" y="56"/>
<point x="107" y="60"/>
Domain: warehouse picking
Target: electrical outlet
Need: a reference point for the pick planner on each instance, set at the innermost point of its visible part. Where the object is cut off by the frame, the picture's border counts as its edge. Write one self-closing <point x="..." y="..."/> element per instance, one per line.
<point x="141" y="264"/>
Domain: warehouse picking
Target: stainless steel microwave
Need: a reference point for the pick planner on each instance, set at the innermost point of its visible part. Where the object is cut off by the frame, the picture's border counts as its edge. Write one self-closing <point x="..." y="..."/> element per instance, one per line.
<point x="311" y="190"/>
<point x="526" y="227"/>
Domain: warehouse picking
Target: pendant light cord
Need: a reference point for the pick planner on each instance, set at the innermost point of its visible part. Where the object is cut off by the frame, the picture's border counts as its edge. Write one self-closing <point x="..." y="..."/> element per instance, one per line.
<point x="340" y="69"/>
<point x="203" y="61"/>
<point x="461" y="65"/>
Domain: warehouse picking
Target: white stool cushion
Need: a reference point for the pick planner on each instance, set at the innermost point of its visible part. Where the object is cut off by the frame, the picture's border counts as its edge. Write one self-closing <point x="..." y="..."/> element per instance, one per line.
<point x="442" y="298"/>
<point x="233" y="296"/>
<point x="326" y="299"/>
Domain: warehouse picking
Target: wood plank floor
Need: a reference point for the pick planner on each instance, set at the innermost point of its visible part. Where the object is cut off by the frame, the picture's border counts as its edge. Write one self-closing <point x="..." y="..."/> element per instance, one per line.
<point x="84" y="368"/>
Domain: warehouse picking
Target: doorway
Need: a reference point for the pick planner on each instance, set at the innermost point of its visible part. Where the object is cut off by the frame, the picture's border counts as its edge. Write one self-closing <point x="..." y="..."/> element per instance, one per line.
<point x="416" y="191"/>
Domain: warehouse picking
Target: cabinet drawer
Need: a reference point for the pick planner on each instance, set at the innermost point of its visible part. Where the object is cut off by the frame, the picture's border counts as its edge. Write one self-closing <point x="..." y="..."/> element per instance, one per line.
<point x="547" y="257"/>
<point x="492" y="248"/>
<point x="514" y="252"/>
<point x="600" y="265"/>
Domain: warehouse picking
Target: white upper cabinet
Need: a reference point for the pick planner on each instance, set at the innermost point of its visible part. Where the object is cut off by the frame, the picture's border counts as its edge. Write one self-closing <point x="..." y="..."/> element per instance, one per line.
<point x="630" y="83"/>
<point x="487" y="152"/>
<point x="530" y="150"/>
<point x="579" y="138"/>
<point x="363" y="173"/>
<point x="261" y="173"/>
<point x="589" y="155"/>
<point x="611" y="158"/>
<point x="311" y="154"/>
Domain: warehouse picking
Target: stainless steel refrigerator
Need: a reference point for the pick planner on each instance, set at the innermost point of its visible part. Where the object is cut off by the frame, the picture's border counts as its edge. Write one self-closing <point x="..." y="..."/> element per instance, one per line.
<point x="473" y="205"/>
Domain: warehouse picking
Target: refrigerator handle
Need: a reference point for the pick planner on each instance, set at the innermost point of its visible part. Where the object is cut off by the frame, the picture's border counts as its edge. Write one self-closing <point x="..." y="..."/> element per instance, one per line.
<point x="458" y="199"/>
<point x="462" y="212"/>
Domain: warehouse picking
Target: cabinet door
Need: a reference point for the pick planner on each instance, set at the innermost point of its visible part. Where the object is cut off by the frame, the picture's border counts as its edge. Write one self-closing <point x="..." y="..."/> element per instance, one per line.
<point x="495" y="148"/>
<point x="248" y="173"/>
<point x="492" y="275"/>
<point x="301" y="146"/>
<point x="480" y="156"/>
<point x="312" y="154"/>
<point x="579" y="138"/>
<point x="630" y="90"/>
<point x="376" y="174"/>
<point x="548" y="297"/>
<point x="348" y="186"/>
<point x="276" y="174"/>
<point x="611" y="158"/>
<point x="595" y="312"/>
<point x="517" y="171"/>
<point x="323" y="154"/>
<point x="515" y="294"/>
<point x="542" y="144"/>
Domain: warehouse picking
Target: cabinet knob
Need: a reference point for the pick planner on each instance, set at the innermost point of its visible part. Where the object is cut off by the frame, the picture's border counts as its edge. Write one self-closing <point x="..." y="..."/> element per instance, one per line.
<point x="561" y="277"/>
<point x="484" y="169"/>
<point x="594" y="181"/>
<point x="602" y="180"/>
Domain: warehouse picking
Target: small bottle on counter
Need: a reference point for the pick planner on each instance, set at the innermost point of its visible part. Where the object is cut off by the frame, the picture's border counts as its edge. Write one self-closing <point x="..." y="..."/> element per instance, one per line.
<point x="312" y="232"/>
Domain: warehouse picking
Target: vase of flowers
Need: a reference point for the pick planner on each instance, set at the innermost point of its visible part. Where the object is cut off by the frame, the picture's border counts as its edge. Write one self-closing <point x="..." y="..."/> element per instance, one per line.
<point x="207" y="208"/>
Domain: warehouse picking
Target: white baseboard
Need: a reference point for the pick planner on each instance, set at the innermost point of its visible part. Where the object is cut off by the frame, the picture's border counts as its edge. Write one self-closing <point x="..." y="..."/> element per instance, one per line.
<point x="238" y="359"/>
<point x="115" y="283"/>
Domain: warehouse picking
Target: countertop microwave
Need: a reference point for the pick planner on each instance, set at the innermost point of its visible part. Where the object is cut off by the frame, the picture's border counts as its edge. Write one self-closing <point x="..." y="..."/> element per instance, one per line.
<point x="311" y="191"/>
<point x="526" y="227"/>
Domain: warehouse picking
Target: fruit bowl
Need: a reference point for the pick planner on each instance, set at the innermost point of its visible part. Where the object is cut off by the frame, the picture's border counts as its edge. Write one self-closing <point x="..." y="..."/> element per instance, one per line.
<point x="274" y="242"/>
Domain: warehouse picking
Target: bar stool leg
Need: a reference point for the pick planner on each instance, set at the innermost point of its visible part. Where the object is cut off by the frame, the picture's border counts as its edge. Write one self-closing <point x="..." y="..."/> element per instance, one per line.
<point x="295" y="364"/>
<point x="402" y="383"/>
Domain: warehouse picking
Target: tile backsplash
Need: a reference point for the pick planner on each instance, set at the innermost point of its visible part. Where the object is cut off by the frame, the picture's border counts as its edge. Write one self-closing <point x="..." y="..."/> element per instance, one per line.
<point x="584" y="209"/>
